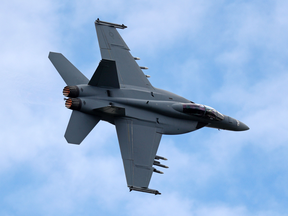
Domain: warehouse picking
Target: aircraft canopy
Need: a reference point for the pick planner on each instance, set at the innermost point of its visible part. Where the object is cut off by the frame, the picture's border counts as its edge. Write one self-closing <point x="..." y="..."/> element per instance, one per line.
<point x="202" y="111"/>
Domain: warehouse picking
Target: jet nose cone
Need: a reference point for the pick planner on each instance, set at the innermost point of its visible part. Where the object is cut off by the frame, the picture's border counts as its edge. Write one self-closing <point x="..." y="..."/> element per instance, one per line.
<point x="242" y="126"/>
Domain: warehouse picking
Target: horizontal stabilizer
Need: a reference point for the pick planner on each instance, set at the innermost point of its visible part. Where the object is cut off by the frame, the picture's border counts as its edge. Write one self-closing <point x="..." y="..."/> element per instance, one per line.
<point x="79" y="126"/>
<point x="69" y="73"/>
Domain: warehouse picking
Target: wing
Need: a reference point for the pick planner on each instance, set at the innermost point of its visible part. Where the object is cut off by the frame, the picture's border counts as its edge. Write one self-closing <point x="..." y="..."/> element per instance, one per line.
<point x="139" y="141"/>
<point x="113" y="48"/>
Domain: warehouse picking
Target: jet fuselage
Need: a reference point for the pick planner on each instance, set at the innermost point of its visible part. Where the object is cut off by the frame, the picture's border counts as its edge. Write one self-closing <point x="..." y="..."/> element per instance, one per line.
<point x="163" y="108"/>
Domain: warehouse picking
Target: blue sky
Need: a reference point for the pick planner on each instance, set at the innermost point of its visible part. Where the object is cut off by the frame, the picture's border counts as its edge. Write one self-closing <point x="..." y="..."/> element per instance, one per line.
<point x="231" y="55"/>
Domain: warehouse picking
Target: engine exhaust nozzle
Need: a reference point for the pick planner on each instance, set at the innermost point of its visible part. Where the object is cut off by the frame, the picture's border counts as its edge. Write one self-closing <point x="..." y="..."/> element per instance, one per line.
<point x="73" y="103"/>
<point x="71" y="91"/>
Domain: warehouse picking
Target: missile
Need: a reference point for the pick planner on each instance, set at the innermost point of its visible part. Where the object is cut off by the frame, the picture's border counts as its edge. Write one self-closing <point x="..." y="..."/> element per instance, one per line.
<point x="157" y="171"/>
<point x="157" y="163"/>
<point x="159" y="157"/>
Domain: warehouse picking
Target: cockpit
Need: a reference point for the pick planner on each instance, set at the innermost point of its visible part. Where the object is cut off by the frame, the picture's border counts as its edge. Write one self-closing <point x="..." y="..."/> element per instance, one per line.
<point x="202" y="111"/>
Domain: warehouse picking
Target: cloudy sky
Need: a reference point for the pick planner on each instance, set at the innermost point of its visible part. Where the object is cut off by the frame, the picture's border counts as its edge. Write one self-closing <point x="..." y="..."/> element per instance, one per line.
<point x="231" y="55"/>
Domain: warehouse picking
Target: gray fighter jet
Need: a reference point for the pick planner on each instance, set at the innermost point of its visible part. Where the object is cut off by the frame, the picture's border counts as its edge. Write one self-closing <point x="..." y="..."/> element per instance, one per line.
<point x="120" y="93"/>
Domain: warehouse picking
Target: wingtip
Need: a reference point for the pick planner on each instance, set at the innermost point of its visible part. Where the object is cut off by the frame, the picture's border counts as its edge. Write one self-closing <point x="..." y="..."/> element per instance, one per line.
<point x="145" y="190"/>
<point x="53" y="53"/>
<point x="99" y="22"/>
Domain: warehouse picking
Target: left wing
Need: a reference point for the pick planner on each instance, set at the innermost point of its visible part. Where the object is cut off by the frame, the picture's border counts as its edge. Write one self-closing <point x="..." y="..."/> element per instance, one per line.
<point x="139" y="141"/>
<point x="114" y="49"/>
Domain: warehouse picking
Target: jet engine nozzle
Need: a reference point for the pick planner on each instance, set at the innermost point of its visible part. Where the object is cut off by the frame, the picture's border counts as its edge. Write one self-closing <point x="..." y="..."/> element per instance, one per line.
<point x="71" y="91"/>
<point x="73" y="103"/>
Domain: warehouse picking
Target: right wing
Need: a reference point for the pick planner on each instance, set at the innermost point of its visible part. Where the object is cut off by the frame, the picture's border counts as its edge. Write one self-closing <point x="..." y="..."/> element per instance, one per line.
<point x="139" y="141"/>
<point x="113" y="48"/>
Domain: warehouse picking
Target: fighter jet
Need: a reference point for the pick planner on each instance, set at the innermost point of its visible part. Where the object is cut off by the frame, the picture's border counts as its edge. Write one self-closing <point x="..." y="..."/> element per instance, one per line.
<point x="120" y="93"/>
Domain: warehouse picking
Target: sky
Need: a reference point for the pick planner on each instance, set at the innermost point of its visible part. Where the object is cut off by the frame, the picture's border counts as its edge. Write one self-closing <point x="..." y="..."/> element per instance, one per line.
<point x="231" y="55"/>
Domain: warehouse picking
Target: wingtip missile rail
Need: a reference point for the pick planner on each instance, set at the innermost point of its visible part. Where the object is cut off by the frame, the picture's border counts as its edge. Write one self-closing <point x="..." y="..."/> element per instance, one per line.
<point x="146" y="190"/>
<point x="98" y="21"/>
